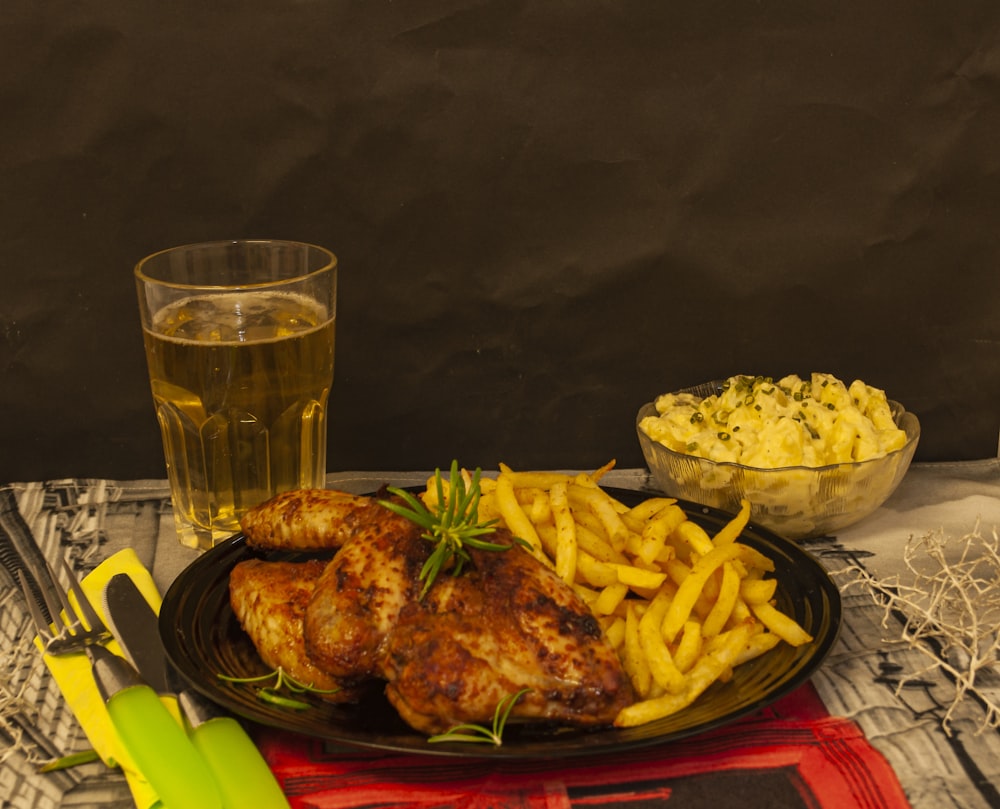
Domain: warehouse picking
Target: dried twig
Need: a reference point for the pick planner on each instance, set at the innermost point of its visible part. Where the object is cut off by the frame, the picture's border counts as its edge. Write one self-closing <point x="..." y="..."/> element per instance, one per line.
<point x="14" y="682"/>
<point x="950" y="612"/>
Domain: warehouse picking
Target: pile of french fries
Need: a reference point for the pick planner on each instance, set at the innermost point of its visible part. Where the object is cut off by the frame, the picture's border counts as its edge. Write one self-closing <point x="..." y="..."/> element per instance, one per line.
<point x="681" y="608"/>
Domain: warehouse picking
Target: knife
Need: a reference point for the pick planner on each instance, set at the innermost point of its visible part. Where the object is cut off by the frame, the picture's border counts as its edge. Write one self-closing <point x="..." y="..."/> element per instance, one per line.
<point x="240" y="772"/>
<point x="157" y="744"/>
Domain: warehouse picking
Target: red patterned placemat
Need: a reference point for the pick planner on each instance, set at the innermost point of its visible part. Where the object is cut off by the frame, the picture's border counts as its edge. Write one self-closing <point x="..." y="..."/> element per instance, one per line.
<point x="792" y="754"/>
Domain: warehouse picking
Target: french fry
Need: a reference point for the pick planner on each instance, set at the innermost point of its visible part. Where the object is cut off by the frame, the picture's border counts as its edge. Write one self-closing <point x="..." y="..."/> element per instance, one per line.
<point x="540" y="508"/>
<point x="638" y="577"/>
<point x="661" y="663"/>
<point x="689" y="646"/>
<point x="710" y="590"/>
<point x="593" y="571"/>
<point x="735" y="526"/>
<point x="532" y="480"/>
<point x="780" y="624"/>
<point x="755" y="646"/>
<point x="614" y="631"/>
<point x="650" y="508"/>
<point x="741" y="612"/>
<point x="694" y="536"/>
<point x="599" y="473"/>
<point x="752" y="559"/>
<point x="566" y="547"/>
<point x="758" y="591"/>
<point x="547" y="537"/>
<point x="488" y="509"/>
<point x="609" y="599"/>
<point x="515" y="517"/>
<point x="729" y="591"/>
<point x="634" y="660"/>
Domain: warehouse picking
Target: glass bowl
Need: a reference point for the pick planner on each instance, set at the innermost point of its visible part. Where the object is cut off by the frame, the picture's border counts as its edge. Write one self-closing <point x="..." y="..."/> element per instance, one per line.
<point x="796" y="502"/>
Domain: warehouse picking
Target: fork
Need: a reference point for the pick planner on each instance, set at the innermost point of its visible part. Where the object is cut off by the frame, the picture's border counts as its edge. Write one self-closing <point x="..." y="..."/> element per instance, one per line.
<point x="155" y="741"/>
<point x="79" y="629"/>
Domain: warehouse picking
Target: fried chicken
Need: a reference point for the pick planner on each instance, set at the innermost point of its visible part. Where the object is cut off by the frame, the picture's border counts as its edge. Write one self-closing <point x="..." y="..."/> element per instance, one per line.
<point x="507" y="623"/>
<point x="306" y="519"/>
<point x="269" y="599"/>
<point x="359" y="596"/>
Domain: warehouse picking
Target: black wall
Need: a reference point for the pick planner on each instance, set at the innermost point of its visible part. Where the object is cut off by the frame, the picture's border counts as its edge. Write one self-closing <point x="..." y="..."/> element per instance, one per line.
<point x="546" y="213"/>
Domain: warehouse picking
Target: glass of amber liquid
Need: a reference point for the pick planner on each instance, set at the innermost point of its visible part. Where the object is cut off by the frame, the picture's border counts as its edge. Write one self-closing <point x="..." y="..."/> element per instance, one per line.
<point x="239" y="341"/>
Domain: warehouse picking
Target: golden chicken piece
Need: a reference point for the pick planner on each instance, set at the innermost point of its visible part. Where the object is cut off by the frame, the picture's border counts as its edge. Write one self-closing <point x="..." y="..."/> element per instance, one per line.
<point x="305" y="519"/>
<point x="269" y="600"/>
<point x="507" y="623"/>
<point x="361" y="592"/>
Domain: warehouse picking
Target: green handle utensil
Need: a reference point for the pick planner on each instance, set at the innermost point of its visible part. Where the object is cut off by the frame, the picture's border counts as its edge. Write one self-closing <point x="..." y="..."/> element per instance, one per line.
<point x="240" y="771"/>
<point x="158" y="746"/>
<point x="242" y="777"/>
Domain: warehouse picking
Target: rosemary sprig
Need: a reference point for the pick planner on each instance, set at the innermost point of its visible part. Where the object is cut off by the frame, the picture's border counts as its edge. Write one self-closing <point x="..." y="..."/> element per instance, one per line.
<point x="481" y="734"/>
<point x="452" y="526"/>
<point x="281" y="680"/>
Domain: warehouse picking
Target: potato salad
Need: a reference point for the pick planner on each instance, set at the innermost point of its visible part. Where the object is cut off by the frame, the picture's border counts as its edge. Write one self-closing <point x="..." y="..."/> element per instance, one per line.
<point x="769" y="424"/>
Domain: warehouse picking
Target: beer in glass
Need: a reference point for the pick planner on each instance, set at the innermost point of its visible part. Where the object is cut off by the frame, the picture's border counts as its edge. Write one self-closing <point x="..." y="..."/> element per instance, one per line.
<point x="239" y="340"/>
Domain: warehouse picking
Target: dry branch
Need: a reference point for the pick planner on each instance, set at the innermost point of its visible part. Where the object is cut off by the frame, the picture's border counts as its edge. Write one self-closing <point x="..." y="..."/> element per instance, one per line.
<point x="950" y="612"/>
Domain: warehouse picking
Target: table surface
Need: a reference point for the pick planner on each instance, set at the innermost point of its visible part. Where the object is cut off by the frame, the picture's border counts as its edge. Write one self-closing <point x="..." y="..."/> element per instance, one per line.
<point x="86" y="521"/>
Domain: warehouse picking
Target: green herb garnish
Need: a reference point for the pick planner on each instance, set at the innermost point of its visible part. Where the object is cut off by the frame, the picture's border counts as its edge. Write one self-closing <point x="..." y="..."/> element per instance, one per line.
<point x="281" y="680"/>
<point x="481" y="734"/>
<point x="72" y="760"/>
<point x="453" y="526"/>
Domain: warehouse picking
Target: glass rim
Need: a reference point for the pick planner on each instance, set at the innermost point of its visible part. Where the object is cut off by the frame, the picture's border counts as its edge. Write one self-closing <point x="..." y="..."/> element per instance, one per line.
<point x="140" y="274"/>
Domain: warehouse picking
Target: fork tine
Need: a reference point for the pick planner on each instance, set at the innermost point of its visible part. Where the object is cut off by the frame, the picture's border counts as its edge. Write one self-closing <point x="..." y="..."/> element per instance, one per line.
<point x="41" y="625"/>
<point x="69" y="634"/>
<point x="94" y="622"/>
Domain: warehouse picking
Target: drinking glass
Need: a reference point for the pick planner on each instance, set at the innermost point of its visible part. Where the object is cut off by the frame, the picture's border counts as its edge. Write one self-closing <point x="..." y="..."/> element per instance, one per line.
<point x="239" y="340"/>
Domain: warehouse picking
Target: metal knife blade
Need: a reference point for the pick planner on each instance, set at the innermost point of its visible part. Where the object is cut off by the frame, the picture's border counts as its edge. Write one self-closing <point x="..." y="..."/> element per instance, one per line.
<point x="240" y="772"/>
<point x="128" y="613"/>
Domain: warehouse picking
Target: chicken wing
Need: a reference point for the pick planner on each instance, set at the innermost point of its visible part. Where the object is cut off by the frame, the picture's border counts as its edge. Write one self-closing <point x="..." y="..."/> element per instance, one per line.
<point x="306" y="519"/>
<point x="360" y="594"/>
<point x="269" y="600"/>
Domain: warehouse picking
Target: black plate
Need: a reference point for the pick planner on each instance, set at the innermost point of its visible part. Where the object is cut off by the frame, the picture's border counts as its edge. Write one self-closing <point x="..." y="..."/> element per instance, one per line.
<point x="203" y="638"/>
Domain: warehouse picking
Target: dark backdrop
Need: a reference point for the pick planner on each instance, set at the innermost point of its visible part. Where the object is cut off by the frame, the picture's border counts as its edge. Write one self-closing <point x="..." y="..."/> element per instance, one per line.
<point x="546" y="213"/>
